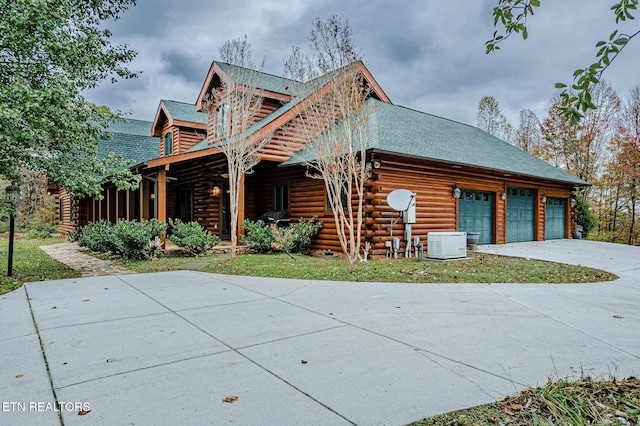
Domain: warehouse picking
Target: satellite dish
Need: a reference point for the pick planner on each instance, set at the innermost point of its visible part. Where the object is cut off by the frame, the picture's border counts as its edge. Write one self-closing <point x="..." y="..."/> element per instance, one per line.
<point x="400" y="199"/>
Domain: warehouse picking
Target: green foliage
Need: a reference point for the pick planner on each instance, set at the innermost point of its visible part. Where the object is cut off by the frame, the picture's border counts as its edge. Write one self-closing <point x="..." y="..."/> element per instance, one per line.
<point x="512" y="22"/>
<point x="192" y="237"/>
<point x="42" y="231"/>
<point x="136" y="240"/>
<point x="50" y="52"/>
<point x="576" y="98"/>
<point x="42" y="225"/>
<point x="302" y="232"/>
<point x="258" y="236"/>
<point x="264" y="238"/>
<point x="96" y="236"/>
<point x="131" y="240"/>
<point x="584" y="216"/>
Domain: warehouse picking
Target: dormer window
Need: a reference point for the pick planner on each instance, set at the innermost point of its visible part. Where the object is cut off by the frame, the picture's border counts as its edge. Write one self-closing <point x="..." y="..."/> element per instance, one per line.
<point x="222" y="121"/>
<point x="168" y="144"/>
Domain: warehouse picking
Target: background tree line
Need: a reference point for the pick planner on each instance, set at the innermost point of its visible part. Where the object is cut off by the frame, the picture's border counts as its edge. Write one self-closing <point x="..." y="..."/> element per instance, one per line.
<point x="603" y="148"/>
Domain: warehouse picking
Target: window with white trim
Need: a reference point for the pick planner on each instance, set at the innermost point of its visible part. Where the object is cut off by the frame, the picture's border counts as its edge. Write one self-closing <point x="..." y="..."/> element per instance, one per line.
<point x="222" y="120"/>
<point x="168" y="143"/>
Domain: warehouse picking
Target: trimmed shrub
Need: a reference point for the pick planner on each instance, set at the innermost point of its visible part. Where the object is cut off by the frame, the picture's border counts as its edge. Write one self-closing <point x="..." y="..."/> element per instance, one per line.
<point x="258" y="236"/>
<point x="137" y="240"/>
<point x="96" y="236"/>
<point x="131" y="240"/>
<point x="303" y="231"/>
<point x="192" y="237"/>
<point x="264" y="238"/>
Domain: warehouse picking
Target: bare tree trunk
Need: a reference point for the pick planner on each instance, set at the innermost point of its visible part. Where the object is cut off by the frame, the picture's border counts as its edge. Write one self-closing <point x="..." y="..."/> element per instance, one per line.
<point x="233" y="106"/>
<point x="633" y="211"/>
<point x="334" y="117"/>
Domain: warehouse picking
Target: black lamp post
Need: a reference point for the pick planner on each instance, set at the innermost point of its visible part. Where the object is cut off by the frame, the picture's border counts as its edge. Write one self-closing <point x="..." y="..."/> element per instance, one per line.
<point x="13" y="198"/>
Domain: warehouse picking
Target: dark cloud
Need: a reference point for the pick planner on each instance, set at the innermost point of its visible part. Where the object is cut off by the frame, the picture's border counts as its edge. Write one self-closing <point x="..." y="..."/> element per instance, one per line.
<point x="426" y="54"/>
<point x="182" y="64"/>
<point x="402" y="50"/>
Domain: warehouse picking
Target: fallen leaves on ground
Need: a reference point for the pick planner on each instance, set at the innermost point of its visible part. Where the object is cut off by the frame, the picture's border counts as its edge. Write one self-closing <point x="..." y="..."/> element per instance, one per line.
<point x="230" y="399"/>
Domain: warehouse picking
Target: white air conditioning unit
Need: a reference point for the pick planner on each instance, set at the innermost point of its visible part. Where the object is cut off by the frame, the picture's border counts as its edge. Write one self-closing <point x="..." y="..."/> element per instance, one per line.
<point x="447" y="245"/>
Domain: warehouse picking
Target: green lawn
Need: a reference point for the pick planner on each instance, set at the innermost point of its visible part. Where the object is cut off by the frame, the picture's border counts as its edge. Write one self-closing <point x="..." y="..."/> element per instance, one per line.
<point x="479" y="268"/>
<point x="30" y="263"/>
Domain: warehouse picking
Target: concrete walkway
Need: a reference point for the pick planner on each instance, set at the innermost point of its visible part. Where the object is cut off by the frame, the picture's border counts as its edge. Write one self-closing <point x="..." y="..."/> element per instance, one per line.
<point x="71" y="255"/>
<point x="169" y="348"/>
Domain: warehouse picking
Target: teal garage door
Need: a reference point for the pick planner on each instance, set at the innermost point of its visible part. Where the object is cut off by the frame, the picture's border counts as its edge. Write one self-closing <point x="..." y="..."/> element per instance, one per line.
<point x="555" y="226"/>
<point x="520" y="214"/>
<point x="475" y="214"/>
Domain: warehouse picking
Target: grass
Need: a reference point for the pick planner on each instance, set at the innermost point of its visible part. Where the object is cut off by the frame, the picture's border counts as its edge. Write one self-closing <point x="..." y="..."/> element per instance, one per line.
<point x="30" y="263"/>
<point x="479" y="268"/>
<point x="563" y="402"/>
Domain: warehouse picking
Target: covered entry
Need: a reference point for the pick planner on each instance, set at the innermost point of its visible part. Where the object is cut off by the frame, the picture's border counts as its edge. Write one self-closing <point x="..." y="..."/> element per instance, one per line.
<point x="520" y="214"/>
<point x="475" y="214"/>
<point x="556" y="219"/>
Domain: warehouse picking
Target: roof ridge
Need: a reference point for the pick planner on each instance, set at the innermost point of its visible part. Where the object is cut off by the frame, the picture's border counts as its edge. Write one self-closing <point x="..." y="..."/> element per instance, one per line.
<point x="260" y="72"/>
<point x="133" y="119"/>
<point x="178" y="102"/>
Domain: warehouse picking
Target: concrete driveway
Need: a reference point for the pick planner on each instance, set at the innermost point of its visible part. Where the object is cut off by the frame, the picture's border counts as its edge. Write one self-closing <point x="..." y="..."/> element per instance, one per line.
<point x="167" y="348"/>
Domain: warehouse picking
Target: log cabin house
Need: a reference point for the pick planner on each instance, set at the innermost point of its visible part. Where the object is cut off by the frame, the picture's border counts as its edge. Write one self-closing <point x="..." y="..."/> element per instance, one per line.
<point x="504" y="193"/>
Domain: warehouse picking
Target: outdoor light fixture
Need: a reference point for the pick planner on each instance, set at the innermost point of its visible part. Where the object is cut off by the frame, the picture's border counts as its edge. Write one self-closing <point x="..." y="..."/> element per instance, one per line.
<point x="455" y="191"/>
<point x="152" y="196"/>
<point x="503" y="196"/>
<point x="544" y="199"/>
<point x="573" y="202"/>
<point x="13" y="198"/>
<point x="215" y="191"/>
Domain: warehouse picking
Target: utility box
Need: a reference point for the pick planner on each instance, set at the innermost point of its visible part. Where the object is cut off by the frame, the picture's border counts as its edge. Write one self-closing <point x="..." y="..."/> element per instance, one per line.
<point x="446" y="245"/>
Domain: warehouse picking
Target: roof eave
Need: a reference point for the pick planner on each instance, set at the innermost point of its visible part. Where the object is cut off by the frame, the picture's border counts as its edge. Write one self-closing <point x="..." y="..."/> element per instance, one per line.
<point x="156" y="128"/>
<point x="510" y="173"/>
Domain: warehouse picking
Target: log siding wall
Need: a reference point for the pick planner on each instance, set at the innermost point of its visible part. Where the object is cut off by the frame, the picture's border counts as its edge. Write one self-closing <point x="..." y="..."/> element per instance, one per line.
<point x="436" y="209"/>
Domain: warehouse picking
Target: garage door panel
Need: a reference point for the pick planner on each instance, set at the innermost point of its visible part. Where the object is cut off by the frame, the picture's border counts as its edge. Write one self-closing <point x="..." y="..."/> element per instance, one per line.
<point x="475" y="214"/>
<point x="556" y="216"/>
<point x="520" y="214"/>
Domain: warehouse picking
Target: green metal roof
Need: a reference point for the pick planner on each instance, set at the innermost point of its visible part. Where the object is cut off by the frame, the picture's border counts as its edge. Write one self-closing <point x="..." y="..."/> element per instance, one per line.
<point x="403" y="131"/>
<point x="130" y="139"/>
<point x="184" y="112"/>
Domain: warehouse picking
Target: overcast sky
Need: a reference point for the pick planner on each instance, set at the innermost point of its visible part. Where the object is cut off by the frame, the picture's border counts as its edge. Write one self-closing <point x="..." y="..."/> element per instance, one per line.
<point x="426" y="54"/>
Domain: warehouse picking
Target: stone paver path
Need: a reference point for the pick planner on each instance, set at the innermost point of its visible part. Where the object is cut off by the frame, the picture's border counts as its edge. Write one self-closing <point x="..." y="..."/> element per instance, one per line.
<point x="71" y="255"/>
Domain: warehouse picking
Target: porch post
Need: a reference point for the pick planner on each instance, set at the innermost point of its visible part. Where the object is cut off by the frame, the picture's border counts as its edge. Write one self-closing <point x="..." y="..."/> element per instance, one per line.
<point x="144" y="204"/>
<point x="128" y="205"/>
<point x="108" y="206"/>
<point x="161" y="199"/>
<point x="241" y="207"/>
